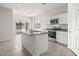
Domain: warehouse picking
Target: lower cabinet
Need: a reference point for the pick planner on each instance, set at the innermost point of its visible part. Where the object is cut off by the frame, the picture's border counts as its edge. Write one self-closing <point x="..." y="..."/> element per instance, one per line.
<point x="62" y="37"/>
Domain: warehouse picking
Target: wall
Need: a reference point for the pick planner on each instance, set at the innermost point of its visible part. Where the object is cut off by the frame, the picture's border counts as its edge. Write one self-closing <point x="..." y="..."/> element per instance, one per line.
<point x="46" y="16"/>
<point x="6" y="24"/>
<point x="23" y="19"/>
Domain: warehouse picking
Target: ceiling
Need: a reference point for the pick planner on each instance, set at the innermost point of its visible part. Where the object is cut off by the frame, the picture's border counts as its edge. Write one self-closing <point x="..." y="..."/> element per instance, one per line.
<point x="33" y="9"/>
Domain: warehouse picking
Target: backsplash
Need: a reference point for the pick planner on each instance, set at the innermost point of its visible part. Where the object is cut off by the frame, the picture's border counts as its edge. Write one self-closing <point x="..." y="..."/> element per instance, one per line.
<point x="64" y="26"/>
<point x="61" y="26"/>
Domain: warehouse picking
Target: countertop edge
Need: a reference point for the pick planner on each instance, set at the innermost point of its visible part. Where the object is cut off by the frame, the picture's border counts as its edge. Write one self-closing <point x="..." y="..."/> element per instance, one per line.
<point x="34" y="34"/>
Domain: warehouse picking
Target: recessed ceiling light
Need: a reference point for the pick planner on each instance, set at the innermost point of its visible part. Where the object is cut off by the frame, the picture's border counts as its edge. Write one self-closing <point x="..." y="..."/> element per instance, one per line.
<point x="18" y="5"/>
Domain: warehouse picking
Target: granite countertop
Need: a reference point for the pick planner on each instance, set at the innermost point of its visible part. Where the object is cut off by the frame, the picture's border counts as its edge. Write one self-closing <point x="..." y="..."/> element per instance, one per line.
<point x="44" y="31"/>
<point x="36" y="33"/>
<point x="65" y="30"/>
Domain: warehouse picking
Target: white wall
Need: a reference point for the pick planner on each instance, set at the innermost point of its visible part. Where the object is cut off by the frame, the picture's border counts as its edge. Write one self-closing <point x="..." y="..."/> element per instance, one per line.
<point x="45" y="17"/>
<point x="5" y="24"/>
<point x="23" y="19"/>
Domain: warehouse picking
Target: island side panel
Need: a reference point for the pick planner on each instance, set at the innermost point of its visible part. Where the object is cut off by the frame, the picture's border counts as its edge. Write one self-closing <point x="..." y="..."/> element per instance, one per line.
<point x="29" y="43"/>
<point x="41" y="43"/>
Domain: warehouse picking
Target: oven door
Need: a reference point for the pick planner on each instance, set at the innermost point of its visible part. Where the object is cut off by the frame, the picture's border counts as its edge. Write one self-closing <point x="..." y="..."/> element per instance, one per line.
<point x="51" y="34"/>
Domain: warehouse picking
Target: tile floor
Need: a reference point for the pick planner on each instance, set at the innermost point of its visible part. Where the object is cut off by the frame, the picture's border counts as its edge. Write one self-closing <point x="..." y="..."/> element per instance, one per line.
<point x="14" y="48"/>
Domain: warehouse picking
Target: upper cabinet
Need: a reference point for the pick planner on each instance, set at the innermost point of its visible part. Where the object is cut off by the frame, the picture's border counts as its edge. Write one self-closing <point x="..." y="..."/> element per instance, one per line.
<point x="54" y="17"/>
<point x="63" y="18"/>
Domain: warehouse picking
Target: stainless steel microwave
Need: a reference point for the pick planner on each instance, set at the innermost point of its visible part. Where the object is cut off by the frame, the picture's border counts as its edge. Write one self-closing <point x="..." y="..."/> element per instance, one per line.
<point x="54" y="21"/>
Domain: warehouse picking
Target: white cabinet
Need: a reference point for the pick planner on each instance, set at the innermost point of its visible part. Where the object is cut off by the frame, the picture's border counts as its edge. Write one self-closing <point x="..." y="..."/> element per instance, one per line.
<point x="62" y="37"/>
<point x="29" y="43"/>
<point x="41" y="43"/>
<point x="54" y="17"/>
<point x="63" y="18"/>
<point x="35" y="44"/>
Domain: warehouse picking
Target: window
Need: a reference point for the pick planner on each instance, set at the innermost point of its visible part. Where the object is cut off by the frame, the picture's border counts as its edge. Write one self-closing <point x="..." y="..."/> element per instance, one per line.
<point x="37" y="22"/>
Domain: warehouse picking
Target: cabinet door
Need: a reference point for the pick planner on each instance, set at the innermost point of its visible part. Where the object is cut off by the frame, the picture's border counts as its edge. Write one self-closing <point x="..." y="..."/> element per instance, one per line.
<point x="62" y="37"/>
<point x="54" y="17"/>
<point x="63" y="18"/>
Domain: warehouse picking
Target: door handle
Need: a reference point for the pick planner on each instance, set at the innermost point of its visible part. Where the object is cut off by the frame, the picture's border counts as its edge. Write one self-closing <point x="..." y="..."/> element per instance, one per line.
<point x="69" y="31"/>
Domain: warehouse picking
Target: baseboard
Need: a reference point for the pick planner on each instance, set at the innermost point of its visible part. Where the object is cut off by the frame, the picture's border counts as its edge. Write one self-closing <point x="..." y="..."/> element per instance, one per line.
<point x="62" y="44"/>
<point x="59" y="43"/>
<point x="4" y="40"/>
<point x="72" y="52"/>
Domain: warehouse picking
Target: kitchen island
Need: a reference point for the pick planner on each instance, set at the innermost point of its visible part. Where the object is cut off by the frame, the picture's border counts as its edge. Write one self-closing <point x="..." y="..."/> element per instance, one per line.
<point x="36" y="43"/>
